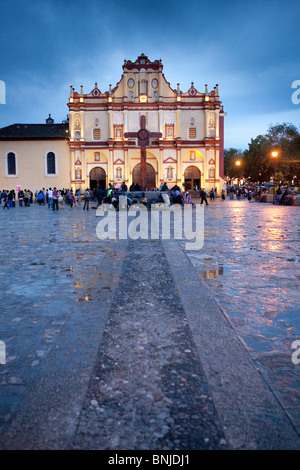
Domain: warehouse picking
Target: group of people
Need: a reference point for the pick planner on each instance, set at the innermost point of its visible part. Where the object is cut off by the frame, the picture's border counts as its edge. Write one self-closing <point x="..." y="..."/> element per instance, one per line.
<point x="110" y="195"/>
<point x="53" y="198"/>
<point x="57" y="199"/>
<point x="8" y="198"/>
<point x="283" y="194"/>
<point x="239" y="192"/>
<point x="212" y="194"/>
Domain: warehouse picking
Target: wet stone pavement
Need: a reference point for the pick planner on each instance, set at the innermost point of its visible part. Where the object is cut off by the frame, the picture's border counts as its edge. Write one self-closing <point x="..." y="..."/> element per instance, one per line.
<point x="148" y="382"/>
<point x="114" y="345"/>
<point x="251" y="262"/>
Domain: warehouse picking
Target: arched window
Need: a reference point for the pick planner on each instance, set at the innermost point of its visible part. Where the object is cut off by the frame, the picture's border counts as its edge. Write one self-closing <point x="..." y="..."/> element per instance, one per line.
<point x="11" y="164"/>
<point x="50" y="163"/>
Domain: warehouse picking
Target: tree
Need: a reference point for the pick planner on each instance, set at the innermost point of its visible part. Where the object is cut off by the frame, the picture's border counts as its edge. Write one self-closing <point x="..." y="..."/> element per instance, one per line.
<point x="230" y="157"/>
<point x="286" y="138"/>
<point x="259" y="164"/>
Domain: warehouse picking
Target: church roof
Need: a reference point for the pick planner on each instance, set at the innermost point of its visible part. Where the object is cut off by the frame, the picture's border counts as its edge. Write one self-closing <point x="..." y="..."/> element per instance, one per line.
<point x="34" y="131"/>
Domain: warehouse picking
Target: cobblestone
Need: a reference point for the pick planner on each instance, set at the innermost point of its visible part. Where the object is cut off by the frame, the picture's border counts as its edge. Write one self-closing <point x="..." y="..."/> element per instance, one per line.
<point x="122" y="345"/>
<point x="250" y="261"/>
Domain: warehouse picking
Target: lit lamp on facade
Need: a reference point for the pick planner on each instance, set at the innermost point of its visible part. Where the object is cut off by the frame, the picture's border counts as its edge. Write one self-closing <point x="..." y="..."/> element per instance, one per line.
<point x="143" y="98"/>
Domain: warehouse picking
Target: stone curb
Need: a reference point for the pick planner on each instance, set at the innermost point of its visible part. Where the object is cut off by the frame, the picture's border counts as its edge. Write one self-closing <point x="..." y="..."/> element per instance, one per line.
<point x="251" y="416"/>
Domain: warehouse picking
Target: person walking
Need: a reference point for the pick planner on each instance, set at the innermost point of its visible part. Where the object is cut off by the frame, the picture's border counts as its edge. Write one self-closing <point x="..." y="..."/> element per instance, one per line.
<point x="10" y="197"/>
<point x="5" y="202"/>
<point x="203" y="196"/>
<point x="50" y="194"/>
<point x="21" y="197"/>
<point x="26" y="197"/>
<point x="3" y="196"/>
<point x="86" y="197"/>
<point x="55" y="196"/>
<point x="40" y="198"/>
<point x="71" y="198"/>
<point x="77" y="198"/>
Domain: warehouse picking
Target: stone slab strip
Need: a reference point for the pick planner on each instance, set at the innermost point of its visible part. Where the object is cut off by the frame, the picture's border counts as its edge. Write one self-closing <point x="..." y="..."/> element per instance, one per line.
<point x="251" y="416"/>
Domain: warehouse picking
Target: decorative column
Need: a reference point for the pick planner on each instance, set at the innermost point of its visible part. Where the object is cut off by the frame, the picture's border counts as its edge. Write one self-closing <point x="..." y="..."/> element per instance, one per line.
<point x="71" y="124"/>
<point x="217" y="124"/>
<point x="81" y="113"/>
<point x="110" y="127"/>
<point x="206" y="123"/>
<point x="125" y="121"/>
<point x="160" y="122"/>
<point x="72" y="165"/>
<point x="179" y="166"/>
<point x="160" y="165"/>
<point x="178" y="121"/>
<point x="125" y="87"/>
<point x="221" y="151"/>
<point x="217" y="163"/>
<point x="126" y="172"/>
<point x="111" y="165"/>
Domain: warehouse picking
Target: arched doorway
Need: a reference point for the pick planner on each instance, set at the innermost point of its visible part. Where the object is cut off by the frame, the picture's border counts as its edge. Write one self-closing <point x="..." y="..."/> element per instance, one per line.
<point x="150" y="176"/>
<point x="97" y="178"/>
<point x="192" y="178"/>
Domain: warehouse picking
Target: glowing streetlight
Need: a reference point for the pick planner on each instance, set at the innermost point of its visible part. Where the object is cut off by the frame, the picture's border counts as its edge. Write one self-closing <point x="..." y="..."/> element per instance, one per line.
<point x="274" y="154"/>
<point x="238" y="163"/>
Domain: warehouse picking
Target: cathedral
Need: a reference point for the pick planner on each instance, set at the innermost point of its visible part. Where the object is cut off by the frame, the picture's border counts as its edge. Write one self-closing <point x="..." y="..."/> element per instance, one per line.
<point x="180" y="135"/>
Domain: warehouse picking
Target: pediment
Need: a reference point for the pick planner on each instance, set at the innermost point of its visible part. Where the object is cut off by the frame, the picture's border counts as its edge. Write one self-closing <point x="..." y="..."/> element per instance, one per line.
<point x="119" y="162"/>
<point x="169" y="160"/>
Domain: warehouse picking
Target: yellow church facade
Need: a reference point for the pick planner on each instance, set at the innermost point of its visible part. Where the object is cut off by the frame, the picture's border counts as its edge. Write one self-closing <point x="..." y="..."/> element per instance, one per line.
<point x="100" y="142"/>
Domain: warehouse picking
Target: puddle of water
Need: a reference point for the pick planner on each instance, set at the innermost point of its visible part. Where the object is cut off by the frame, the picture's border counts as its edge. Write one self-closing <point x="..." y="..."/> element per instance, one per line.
<point x="212" y="273"/>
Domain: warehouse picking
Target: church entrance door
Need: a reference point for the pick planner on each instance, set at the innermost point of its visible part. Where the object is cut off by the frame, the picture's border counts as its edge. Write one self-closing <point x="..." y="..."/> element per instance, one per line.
<point x="150" y="176"/>
<point x="192" y="178"/>
<point x="97" y="178"/>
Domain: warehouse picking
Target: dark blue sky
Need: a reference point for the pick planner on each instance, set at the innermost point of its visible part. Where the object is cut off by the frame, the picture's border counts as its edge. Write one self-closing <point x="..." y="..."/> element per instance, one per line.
<point x="250" y="48"/>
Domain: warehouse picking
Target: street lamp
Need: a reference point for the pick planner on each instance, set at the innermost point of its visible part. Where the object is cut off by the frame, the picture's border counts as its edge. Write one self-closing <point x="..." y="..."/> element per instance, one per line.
<point x="274" y="154"/>
<point x="238" y="163"/>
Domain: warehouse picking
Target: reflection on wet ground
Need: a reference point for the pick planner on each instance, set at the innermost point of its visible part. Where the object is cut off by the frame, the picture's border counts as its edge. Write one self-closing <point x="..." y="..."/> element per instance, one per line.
<point x="51" y="266"/>
<point x="250" y="259"/>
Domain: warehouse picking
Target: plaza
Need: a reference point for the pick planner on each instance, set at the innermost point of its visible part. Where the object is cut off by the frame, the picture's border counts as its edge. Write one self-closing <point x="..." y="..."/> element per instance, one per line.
<point x="145" y="345"/>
